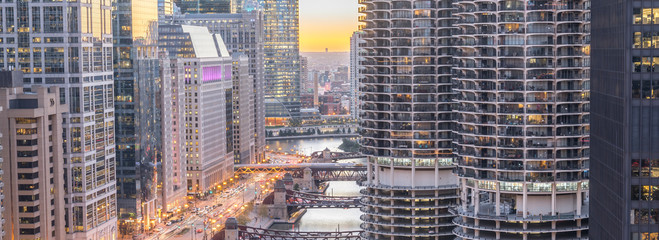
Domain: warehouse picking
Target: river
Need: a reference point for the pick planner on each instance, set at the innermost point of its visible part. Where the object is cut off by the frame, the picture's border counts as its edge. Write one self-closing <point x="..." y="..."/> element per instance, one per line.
<point x="322" y="219"/>
<point x="329" y="219"/>
<point x="305" y="146"/>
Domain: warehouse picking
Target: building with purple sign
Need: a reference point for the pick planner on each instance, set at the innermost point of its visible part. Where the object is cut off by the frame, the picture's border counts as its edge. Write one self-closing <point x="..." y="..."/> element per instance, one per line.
<point x="206" y="66"/>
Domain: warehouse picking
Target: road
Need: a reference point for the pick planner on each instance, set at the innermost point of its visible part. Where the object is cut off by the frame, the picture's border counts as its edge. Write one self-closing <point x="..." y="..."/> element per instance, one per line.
<point x="233" y="202"/>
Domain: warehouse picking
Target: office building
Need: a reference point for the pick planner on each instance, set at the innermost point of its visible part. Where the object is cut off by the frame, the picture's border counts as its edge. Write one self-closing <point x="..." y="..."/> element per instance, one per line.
<point x="281" y="60"/>
<point x="244" y="146"/>
<point x="237" y="6"/>
<point x="169" y="100"/>
<point x="242" y="34"/>
<point x="406" y="120"/>
<point x="141" y="141"/>
<point x="2" y="184"/>
<point x="166" y="7"/>
<point x="522" y="134"/>
<point x="355" y="67"/>
<point x="207" y="81"/>
<point x="315" y="81"/>
<point x="625" y="131"/>
<point x="304" y="73"/>
<point x="57" y="46"/>
<point x="204" y="6"/>
<point x="33" y="160"/>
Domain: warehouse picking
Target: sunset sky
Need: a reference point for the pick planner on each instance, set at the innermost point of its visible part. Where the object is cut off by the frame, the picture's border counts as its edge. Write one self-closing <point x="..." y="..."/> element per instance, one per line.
<point x="327" y="24"/>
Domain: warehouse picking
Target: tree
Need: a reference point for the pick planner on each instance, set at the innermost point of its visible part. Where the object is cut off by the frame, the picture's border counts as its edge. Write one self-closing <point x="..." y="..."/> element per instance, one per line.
<point x="263" y="210"/>
<point x="296" y="187"/>
<point x="243" y="219"/>
<point x="295" y="122"/>
<point x="349" y="130"/>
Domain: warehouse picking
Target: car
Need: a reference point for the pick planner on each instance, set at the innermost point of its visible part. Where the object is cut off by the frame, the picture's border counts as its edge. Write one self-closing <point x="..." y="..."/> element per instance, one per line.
<point x="159" y="229"/>
<point x="169" y="223"/>
<point x="200" y="230"/>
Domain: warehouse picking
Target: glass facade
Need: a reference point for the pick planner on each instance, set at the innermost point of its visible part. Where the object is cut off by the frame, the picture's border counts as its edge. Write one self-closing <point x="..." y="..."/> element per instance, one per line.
<point x="625" y="128"/>
<point x="281" y="60"/>
<point x="68" y="44"/>
<point x="204" y="6"/>
<point x="139" y="135"/>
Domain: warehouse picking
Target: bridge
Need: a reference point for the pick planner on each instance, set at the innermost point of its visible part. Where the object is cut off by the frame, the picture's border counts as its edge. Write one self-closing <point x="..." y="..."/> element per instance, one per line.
<point x="319" y="171"/>
<point x="301" y="199"/>
<point x="233" y="231"/>
<point x="328" y="156"/>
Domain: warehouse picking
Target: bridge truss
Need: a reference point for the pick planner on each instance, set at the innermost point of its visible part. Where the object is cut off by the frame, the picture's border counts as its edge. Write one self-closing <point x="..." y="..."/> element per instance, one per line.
<point x="248" y="233"/>
<point x="321" y="172"/>
<point x="300" y="199"/>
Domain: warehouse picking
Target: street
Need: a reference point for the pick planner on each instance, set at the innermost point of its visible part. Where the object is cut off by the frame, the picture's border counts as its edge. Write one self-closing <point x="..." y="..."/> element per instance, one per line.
<point x="211" y="219"/>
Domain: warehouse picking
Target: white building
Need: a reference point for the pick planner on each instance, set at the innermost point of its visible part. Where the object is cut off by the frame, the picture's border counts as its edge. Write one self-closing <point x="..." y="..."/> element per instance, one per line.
<point x="207" y="81"/>
<point x="242" y="34"/>
<point x="355" y="66"/>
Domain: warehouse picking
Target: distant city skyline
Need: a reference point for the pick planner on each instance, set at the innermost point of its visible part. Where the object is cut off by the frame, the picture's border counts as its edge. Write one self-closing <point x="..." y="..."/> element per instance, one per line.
<point x="327" y="24"/>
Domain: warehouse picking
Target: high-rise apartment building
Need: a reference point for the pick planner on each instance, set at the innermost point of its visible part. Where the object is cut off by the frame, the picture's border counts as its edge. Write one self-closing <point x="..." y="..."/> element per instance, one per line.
<point x="356" y="43"/>
<point x="69" y="45"/>
<point x="242" y="34"/>
<point x="522" y="134"/>
<point x="625" y="127"/>
<point x="33" y="160"/>
<point x="406" y="120"/>
<point x="282" y="60"/>
<point x="204" y="6"/>
<point x="207" y="81"/>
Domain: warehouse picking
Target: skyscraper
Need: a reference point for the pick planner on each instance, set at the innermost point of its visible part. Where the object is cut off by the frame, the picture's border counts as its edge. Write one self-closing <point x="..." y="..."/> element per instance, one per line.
<point x="166" y="7"/>
<point x="282" y="60"/>
<point x="356" y="43"/>
<point x="138" y="115"/>
<point x="208" y="102"/>
<point x="625" y="131"/>
<point x="69" y="45"/>
<point x="204" y="6"/>
<point x="242" y="34"/>
<point x="244" y="146"/>
<point x="169" y="100"/>
<point x="522" y="134"/>
<point x="406" y="120"/>
<point x="33" y="172"/>
<point x="304" y="73"/>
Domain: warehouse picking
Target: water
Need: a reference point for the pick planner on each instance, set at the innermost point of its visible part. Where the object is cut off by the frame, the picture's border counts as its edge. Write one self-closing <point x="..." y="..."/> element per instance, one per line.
<point x="343" y="189"/>
<point x="305" y="146"/>
<point x="322" y="219"/>
<point x="329" y="219"/>
<point x="308" y="146"/>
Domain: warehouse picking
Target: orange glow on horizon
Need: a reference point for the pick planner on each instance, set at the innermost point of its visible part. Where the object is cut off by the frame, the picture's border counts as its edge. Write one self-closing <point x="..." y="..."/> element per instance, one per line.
<point x="327" y="24"/>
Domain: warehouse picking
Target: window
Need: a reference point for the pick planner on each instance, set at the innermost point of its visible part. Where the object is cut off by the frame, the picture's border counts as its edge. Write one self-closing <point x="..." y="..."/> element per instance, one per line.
<point x="645" y="16"/>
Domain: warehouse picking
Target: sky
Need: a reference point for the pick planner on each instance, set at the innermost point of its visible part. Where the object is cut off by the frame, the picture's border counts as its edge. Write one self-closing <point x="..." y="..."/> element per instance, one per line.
<point x="327" y="24"/>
